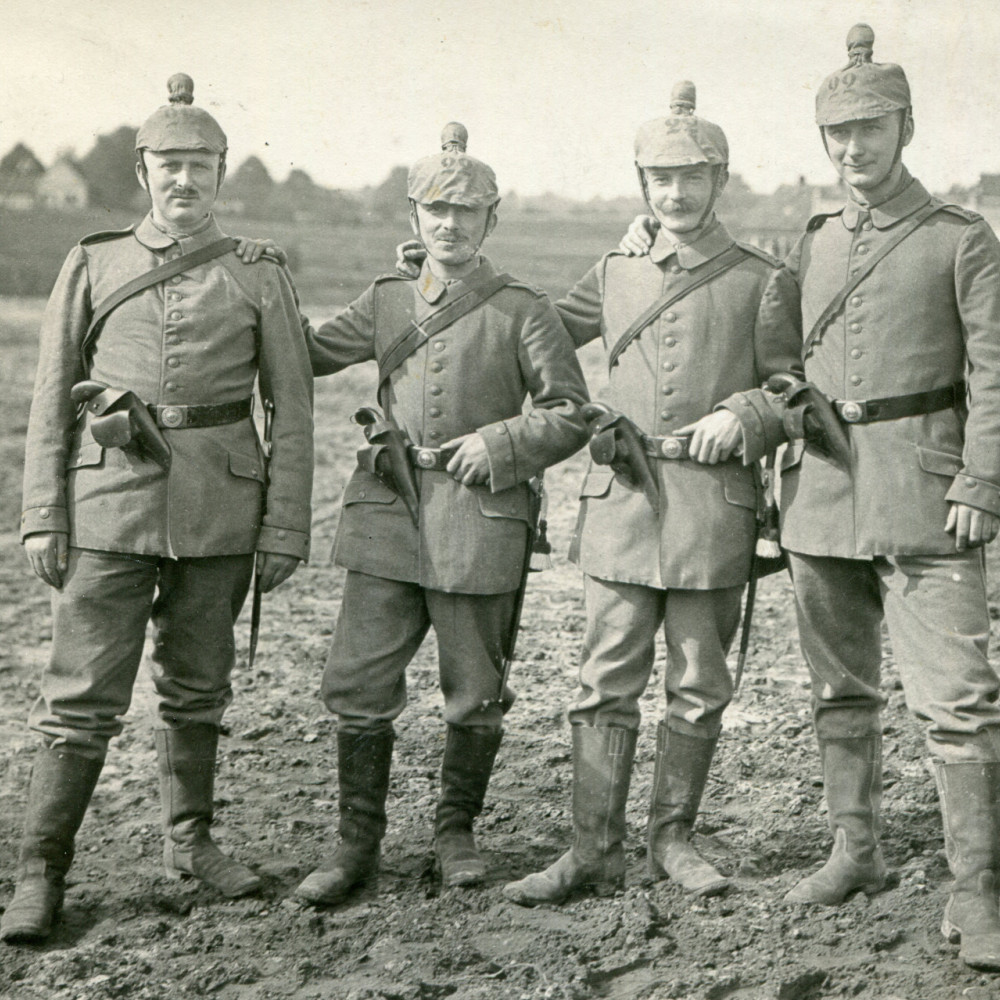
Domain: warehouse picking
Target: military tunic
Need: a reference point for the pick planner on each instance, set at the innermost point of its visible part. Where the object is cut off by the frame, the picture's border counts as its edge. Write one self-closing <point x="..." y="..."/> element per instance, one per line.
<point x="470" y="544"/>
<point x="175" y="545"/>
<point x="684" y="567"/>
<point x="871" y="540"/>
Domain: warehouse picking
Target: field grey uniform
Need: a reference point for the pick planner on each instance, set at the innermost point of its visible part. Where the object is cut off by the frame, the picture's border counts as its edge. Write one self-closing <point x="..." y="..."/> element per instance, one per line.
<point x="172" y="546"/>
<point x="869" y="542"/>
<point x="459" y="568"/>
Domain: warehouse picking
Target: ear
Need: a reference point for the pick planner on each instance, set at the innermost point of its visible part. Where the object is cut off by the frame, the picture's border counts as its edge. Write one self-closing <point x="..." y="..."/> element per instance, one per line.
<point x="222" y="173"/>
<point x="722" y="180"/>
<point x="414" y="224"/>
<point x="140" y="173"/>
<point x="908" y="129"/>
<point x="491" y="219"/>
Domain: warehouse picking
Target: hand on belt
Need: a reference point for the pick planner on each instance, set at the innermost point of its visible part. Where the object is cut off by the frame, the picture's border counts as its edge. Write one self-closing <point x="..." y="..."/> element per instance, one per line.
<point x="200" y="414"/>
<point x="675" y="448"/>
<point x="430" y="459"/>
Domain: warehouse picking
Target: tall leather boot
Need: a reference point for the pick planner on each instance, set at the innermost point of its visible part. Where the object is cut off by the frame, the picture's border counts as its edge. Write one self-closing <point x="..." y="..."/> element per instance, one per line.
<point x="363" y="764"/>
<point x="679" y="777"/>
<point x="62" y="783"/>
<point x="465" y="773"/>
<point x="969" y="796"/>
<point x="602" y="770"/>
<point x="852" y="782"/>
<point x="187" y="781"/>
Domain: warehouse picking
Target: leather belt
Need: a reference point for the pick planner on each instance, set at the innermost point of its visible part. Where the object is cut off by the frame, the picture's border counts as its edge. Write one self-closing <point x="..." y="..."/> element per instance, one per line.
<point x="672" y="448"/>
<point x="430" y="459"/>
<point x="913" y="404"/>
<point x="200" y="414"/>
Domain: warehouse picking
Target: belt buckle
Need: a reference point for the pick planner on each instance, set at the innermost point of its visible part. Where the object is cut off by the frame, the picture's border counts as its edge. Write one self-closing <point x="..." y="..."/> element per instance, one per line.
<point x="171" y="416"/>
<point x="672" y="448"/>
<point x="851" y="411"/>
<point x="425" y="458"/>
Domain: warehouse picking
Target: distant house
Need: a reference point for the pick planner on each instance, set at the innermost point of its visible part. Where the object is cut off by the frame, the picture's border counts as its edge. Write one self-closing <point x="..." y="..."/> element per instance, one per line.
<point x="62" y="186"/>
<point x="20" y="171"/>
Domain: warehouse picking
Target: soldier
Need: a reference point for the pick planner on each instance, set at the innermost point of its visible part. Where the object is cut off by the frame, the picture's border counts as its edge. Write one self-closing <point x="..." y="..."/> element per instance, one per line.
<point x="892" y="304"/>
<point x="151" y="502"/>
<point x="678" y="326"/>
<point x="438" y="538"/>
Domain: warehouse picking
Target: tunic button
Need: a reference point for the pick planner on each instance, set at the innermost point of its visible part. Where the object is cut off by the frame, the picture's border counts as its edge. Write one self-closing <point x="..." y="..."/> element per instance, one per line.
<point x="863" y="248"/>
<point x="669" y="341"/>
<point x="854" y="327"/>
<point x="856" y="300"/>
<point x="435" y="390"/>
<point x="855" y="353"/>
<point x="668" y="366"/>
<point x="170" y="386"/>
<point x="866" y="225"/>
<point x="174" y="296"/>
<point x="670" y="317"/>
<point x="436" y="366"/>
<point x="434" y="411"/>
<point x="173" y="362"/>
<point x="439" y="345"/>
<point x="434" y="435"/>
<point x="175" y="280"/>
<point x="501" y="428"/>
<point x="175" y="315"/>
<point x="282" y="534"/>
<point x="44" y="512"/>
<point x="970" y="483"/>
<point x="676" y="269"/>
<point x="667" y="390"/>
<point x="363" y="494"/>
<point x="855" y="380"/>
<point x="666" y="415"/>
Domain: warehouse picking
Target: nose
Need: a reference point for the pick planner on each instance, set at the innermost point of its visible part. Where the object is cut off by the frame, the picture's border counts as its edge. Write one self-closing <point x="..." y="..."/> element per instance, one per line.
<point x="855" y="147"/>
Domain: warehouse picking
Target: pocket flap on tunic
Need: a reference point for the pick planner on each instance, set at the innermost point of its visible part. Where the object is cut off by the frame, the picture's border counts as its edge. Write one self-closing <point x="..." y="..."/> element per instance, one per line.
<point x="367" y="489"/>
<point x="246" y="466"/>
<point x="512" y="503"/>
<point x="597" y="482"/>
<point x="89" y="453"/>
<point x="941" y="463"/>
<point x="740" y="488"/>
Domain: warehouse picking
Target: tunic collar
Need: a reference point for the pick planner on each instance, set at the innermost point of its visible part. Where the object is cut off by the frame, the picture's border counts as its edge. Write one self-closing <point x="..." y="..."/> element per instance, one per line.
<point x="708" y="245"/>
<point x="433" y="289"/>
<point x="912" y="197"/>
<point x="156" y="239"/>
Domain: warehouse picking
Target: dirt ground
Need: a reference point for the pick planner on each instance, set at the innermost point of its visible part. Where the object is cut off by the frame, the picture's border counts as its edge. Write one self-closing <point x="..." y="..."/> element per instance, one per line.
<point x="128" y="932"/>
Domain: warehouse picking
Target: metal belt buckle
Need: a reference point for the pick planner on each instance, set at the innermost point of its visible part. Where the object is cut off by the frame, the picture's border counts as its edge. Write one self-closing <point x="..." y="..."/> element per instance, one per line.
<point x="171" y="416"/>
<point x="851" y="411"/>
<point x="426" y="459"/>
<point x="672" y="448"/>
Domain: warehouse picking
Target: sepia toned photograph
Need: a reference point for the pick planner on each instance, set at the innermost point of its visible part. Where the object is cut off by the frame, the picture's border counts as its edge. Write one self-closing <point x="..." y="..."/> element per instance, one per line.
<point x="498" y="500"/>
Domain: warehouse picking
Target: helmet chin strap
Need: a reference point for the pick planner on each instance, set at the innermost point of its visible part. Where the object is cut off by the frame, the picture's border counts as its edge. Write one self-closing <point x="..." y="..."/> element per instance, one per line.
<point x="717" y="169"/>
<point x="490" y="216"/>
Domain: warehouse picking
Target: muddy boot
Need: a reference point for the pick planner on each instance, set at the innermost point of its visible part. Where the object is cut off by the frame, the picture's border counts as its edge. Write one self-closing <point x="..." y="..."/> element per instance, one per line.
<point x="187" y="781"/>
<point x="62" y="783"/>
<point x="969" y="794"/>
<point x="465" y="773"/>
<point x="602" y="770"/>
<point x="852" y="782"/>
<point x="679" y="777"/>
<point x="363" y="764"/>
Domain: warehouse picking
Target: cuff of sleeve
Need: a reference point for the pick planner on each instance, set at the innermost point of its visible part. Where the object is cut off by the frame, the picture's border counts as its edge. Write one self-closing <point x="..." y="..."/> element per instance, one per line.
<point x="284" y="541"/>
<point x="973" y="492"/>
<point x="761" y="427"/>
<point x="38" y="519"/>
<point x="500" y="454"/>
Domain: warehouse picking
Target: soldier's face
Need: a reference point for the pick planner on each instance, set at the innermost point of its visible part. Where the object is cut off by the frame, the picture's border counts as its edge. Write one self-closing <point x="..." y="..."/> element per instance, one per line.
<point x="452" y="233"/>
<point x="182" y="184"/>
<point x="680" y="196"/>
<point x="864" y="152"/>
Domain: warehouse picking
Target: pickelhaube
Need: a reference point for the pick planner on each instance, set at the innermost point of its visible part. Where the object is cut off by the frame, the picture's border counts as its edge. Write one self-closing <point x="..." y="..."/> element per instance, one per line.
<point x="178" y="125"/>
<point x="452" y="175"/>
<point x="682" y="139"/>
<point x="862" y="89"/>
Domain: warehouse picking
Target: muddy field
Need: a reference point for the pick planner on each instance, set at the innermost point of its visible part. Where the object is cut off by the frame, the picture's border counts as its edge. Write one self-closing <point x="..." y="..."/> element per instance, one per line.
<point x="128" y="932"/>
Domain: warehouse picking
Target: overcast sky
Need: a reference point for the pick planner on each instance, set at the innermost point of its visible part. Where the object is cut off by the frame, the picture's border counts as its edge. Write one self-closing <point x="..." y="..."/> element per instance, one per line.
<point x="551" y="92"/>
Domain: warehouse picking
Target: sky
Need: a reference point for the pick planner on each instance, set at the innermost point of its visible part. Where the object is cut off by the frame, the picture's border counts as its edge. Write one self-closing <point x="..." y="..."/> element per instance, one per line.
<point x="551" y="92"/>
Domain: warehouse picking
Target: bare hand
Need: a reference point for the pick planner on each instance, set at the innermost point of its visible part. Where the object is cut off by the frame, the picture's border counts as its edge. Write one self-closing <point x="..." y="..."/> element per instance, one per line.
<point x="274" y="568"/>
<point x="640" y="236"/>
<point x="47" y="552"/>
<point x="971" y="526"/>
<point x="409" y="258"/>
<point x="715" y="438"/>
<point x="470" y="464"/>
<point x="251" y="250"/>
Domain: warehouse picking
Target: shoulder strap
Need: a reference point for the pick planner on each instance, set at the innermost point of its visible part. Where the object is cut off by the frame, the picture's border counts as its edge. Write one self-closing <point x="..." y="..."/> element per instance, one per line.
<point x="406" y="342"/>
<point x="695" y="279"/>
<point x="147" y="280"/>
<point x="912" y="224"/>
